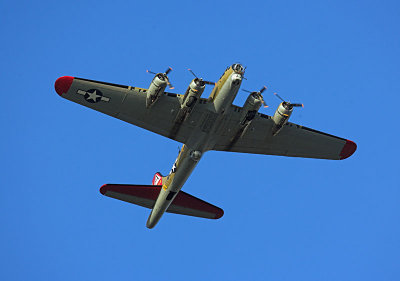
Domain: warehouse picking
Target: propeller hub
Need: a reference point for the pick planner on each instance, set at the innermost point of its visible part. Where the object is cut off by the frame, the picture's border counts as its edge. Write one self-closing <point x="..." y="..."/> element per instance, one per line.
<point x="199" y="82"/>
<point x="287" y="105"/>
<point x="161" y="76"/>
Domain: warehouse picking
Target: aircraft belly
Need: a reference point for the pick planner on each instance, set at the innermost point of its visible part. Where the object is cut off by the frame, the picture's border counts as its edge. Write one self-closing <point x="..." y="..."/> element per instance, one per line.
<point x="182" y="169"/>
<point x="227" y="93"/>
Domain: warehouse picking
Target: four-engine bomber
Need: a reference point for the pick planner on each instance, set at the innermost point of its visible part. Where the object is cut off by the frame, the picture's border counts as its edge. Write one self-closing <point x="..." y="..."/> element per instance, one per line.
<point x="215" y="124"/>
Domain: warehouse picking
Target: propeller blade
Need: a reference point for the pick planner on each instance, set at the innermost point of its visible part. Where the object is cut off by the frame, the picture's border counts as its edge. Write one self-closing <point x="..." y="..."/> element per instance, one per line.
<point x="170" y="85"/>
<point x="169" y="69"/>
<point x="149" y="71"/>
<point x="279" y="97"/>
<point x="263" y="89"/>
<point x="205" y="82"/>
<point x="291" y="105"/>
<point x="263" y="102"/>
<point x="191" y="71"/>
<point x="247" y="91"/>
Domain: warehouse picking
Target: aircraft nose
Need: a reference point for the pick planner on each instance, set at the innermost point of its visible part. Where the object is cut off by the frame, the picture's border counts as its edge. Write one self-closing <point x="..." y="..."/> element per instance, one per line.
<point x="63" y="84"/>
<point x="236" y="79"/>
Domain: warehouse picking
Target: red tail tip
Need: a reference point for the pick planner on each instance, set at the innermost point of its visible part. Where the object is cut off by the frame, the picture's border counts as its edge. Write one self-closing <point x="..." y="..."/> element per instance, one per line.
<point x="219" y="214"/>
<point x="157" y="179"/>
<point x="63" y="84"/>
<point x="348" y="149"/>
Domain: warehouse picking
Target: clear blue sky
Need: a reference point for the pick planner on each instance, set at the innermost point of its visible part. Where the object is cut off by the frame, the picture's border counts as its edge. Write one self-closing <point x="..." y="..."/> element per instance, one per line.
<point x="285" y="218"/>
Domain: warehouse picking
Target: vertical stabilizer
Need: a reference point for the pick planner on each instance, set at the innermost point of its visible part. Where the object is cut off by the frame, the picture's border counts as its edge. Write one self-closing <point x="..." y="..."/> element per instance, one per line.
<point x="158" y="179"/>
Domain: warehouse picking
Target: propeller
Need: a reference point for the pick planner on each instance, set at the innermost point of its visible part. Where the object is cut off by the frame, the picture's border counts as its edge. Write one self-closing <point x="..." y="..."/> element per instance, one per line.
<point x="163" y="76"/>
<point x="287" y="104"/>
<point x="200" y="80"/>
<point x="259" y="93"/>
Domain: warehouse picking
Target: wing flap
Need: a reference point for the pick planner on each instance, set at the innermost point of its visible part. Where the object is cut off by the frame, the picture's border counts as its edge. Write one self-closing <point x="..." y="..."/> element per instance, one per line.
<point x="146" y="196"/>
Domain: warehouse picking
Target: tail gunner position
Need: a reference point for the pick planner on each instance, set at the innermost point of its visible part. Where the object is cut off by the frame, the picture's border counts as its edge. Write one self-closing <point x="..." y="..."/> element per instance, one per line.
<point x="201" y="125"/>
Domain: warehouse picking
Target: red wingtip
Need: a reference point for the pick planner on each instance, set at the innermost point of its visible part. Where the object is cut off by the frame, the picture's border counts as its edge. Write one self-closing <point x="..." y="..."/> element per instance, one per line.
<point x="103" y="189"/>
<point x="348" y="149"/>
<point x="63" y="84"/>
<point x="220" y="213"/>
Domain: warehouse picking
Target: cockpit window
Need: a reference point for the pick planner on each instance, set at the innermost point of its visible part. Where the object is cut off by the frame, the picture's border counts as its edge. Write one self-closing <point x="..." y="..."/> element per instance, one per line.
<point x="238" y="68"/>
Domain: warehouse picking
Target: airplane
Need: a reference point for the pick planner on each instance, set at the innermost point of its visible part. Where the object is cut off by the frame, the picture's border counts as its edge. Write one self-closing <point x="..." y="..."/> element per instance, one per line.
<point x="201" y="124"/>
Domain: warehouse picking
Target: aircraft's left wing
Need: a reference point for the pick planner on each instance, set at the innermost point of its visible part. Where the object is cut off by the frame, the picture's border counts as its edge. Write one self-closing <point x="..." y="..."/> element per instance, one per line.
<point x="126" y="103"/>
<point x="293" y="140"/>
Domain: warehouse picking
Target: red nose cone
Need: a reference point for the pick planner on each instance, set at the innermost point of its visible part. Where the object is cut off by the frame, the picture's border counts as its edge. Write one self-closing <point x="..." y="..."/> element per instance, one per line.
<point x="63" y="84"/>
<point x="348" y="149"/>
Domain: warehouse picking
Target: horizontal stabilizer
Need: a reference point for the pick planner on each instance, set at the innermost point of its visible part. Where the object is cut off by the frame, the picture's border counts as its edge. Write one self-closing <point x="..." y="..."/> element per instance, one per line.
<point x="146" y="196"/>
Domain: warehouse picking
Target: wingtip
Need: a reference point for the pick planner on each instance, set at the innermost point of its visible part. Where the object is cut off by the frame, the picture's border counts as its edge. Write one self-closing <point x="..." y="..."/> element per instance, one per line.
<point x="63" y="84"/>
<point x="103" y="189"/>
<point x="348" y="149"/>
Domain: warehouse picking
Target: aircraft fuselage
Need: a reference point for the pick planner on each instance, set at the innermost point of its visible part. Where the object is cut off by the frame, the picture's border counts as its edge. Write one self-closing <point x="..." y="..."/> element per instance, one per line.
<point x="220" y="99"/>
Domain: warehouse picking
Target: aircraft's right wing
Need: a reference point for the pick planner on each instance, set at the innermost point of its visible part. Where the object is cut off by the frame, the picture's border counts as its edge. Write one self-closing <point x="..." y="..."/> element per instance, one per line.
<point x="293" y="140"/>
<point x="129" y="104"/>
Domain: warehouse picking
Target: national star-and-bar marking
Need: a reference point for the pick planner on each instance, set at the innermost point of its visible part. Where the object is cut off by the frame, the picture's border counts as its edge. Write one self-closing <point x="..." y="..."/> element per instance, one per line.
<point x="173" y="170"/>
<point x="93" y="95"/>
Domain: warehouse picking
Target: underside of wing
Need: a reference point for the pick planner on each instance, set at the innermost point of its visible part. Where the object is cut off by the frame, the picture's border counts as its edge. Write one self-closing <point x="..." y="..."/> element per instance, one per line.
<point x="128" y="104"/>
<point x="146" y="196"/>
<point x="293" y="140"/>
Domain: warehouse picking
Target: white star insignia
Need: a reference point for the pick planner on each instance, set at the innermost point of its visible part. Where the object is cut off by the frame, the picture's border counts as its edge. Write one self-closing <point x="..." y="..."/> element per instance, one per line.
<point x="93" y="96"/>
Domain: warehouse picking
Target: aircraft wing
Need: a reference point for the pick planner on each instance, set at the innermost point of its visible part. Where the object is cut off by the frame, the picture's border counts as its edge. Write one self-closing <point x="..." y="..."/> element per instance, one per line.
<point x="293" y="140"/>
<point x="128" y="104"/>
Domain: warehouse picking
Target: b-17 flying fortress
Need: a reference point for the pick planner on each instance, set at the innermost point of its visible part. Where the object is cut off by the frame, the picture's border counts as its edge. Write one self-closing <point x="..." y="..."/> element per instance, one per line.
<point x="201" y="125"/>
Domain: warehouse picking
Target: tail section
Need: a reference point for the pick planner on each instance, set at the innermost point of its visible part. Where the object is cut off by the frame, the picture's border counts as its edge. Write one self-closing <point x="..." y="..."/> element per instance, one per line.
<point x="146" y="196"/>
<point x="158" y="179"/>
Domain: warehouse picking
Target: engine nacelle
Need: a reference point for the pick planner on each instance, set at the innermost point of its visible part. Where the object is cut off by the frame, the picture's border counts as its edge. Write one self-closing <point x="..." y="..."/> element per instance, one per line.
<point x="193" y="93"/>
<point x="190" y="99"/>
<point x="156" y="89"/>
<point x="250" y="108"/>
<point x="281" y="116"/>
